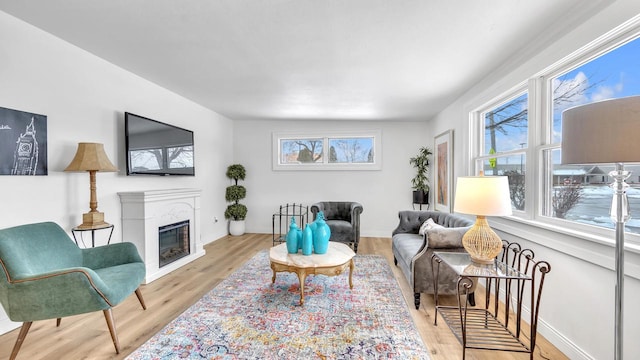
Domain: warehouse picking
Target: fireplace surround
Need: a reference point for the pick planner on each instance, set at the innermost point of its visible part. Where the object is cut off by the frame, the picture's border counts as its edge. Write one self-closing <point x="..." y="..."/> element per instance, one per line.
<point x="145" y="214"/>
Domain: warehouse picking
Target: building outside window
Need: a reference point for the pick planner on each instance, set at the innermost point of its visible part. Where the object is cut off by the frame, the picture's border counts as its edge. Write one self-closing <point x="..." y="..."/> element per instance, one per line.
<point x="576" y="195"/>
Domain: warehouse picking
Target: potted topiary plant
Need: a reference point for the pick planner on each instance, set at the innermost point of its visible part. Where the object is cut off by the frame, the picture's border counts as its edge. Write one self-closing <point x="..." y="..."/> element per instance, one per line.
<point x="420" y="183"/>
<point x="236" y="212"/>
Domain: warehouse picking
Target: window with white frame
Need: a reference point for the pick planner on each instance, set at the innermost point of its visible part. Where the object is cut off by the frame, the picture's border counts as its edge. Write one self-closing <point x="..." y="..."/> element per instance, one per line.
<point x="504" y="144"/>
<point x="329" y="151"/>
<point x="575" y="195"/>
<point x="581" y="193"/>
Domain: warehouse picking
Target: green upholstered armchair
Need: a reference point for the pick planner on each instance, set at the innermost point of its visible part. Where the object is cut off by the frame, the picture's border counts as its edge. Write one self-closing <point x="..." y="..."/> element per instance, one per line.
<point x="45" y="275"/>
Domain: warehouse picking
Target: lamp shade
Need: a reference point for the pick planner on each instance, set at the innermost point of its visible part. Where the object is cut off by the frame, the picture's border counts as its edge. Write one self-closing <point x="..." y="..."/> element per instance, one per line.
<point x="483" y="195"/>
<point x="91" y="157"/>
<point x="602" y="132"/>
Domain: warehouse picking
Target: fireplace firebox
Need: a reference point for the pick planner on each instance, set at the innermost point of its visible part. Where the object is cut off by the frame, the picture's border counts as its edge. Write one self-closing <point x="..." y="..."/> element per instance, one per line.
<point x="173" y="242"/>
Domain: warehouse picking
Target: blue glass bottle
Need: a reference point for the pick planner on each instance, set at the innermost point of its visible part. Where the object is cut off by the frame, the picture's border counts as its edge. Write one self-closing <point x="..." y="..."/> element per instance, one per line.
<point x="307" y="241"/>
<point x="293" y="237"/>
<point x="321" y="235"/>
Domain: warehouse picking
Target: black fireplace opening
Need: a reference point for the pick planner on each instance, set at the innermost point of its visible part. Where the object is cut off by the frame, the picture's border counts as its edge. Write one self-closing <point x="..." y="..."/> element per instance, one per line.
<point x="174" y="242"/>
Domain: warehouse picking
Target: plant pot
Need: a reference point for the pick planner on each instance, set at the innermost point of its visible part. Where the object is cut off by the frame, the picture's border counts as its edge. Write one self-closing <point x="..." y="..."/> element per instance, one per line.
<point x="420" y="197"/>
<point x="236" y="227"/>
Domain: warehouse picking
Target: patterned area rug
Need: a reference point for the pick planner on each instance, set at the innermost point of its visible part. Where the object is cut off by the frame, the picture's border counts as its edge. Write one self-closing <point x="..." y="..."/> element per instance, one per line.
<point x="248" y="317"/>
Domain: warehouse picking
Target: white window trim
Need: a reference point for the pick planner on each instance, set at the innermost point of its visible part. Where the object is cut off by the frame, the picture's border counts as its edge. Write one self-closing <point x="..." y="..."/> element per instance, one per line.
<point x="538" y="86"/>
<point x="326" y="135"/>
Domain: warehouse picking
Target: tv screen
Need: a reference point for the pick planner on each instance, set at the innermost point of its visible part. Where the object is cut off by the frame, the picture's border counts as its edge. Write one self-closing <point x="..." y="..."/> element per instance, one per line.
<point x="156" y="148"/>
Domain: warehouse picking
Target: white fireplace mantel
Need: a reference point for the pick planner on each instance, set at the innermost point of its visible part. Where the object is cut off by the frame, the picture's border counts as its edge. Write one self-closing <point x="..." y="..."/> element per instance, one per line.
<point x="144" y="212"/>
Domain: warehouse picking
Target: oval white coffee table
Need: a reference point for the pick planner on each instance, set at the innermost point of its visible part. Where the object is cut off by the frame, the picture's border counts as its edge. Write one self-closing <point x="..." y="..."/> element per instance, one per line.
<point x="338" y="257"/>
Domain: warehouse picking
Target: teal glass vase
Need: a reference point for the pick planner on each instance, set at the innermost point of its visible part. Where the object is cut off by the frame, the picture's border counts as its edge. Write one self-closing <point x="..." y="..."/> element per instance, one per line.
<point x="321" y="235"/>
<point x="293" y="237"/>
<point x="307" y="241"/>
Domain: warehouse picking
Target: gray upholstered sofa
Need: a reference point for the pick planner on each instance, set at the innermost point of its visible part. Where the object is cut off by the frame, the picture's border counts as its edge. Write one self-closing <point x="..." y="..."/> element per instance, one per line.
<point x="412" y="252"/>
<point x="343" y="218"/>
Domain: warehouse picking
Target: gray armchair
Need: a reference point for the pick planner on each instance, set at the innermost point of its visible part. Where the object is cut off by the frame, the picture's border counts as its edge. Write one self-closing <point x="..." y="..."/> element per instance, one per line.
<point x="343" y="218"/>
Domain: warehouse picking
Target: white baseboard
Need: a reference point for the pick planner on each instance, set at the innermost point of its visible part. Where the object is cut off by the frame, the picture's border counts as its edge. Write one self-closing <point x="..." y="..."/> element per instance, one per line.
<point x="571" y="350"/>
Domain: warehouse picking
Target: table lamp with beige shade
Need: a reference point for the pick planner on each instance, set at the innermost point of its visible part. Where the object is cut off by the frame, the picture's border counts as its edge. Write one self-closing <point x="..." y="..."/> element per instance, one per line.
<point x="92" y="158"/>
<point x="482" y="196"/>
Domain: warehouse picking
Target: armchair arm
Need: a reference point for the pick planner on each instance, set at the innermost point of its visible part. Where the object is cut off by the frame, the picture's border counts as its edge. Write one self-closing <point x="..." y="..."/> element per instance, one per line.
<point x="110" y="255"/>
<point x="356" y="210"/>
<point x="55" y="294"/>
<point x="410" y="221"/>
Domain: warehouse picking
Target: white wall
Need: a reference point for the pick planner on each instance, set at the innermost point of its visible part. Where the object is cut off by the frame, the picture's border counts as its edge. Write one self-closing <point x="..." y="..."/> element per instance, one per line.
<point x="381" y="192"/>
<point x="84" y="99"/>
<point x="577" y="312"/>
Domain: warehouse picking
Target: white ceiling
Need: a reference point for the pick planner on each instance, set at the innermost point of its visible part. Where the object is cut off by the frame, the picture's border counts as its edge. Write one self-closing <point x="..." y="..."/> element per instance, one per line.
<point x="309" y="59"/>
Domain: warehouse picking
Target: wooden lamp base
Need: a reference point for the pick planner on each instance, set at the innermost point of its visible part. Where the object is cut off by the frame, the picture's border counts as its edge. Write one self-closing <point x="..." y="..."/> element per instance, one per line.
<point x="93" y="220"/>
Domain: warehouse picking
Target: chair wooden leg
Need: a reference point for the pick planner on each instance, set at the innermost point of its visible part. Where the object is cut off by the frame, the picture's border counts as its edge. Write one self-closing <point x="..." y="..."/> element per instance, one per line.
<point x="139" y="295"/>
<point x="23" y="334"/>
<point x="108" y="315"/>
<point x="58" y="321"/>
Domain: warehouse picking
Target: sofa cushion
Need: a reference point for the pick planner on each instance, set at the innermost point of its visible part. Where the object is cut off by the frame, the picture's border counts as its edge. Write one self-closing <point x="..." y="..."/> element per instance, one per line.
<point x="341" y="230"/>
<point x="446" y="238"/>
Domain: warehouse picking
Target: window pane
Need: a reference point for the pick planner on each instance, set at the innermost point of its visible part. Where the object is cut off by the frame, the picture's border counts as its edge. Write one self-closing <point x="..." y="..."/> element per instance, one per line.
<point x="296" y="151"/>
<point x="514" y="168"/>
<point x="506" y="126"/>
<point x="351" y="150"/>
<point x="613" y="75"/>
<point x="582" y="193"/>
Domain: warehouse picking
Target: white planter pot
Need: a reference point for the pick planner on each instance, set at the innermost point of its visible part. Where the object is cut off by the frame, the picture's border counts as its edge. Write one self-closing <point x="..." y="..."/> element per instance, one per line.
<point x="236" y="227"/>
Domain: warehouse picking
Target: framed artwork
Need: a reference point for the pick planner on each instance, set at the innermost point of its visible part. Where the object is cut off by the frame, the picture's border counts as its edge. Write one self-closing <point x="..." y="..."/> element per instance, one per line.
<point x="23" y="143"/>
<point x="443" y="145"/>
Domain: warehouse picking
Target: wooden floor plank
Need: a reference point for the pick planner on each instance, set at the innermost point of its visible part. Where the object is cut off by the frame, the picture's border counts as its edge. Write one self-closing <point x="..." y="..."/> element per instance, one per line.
<point x="87" y="336"/>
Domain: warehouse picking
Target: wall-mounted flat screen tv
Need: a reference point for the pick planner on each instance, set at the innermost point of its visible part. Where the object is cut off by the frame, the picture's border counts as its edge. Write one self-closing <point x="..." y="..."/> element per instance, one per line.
<point x="156" y="148"/>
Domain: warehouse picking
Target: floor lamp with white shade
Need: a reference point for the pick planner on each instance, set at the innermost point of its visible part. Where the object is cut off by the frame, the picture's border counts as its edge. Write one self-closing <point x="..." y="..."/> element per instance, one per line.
<point x="606" y="132"/>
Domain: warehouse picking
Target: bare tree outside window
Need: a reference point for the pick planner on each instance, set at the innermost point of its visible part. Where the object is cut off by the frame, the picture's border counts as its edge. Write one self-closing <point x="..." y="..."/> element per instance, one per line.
<point x="350" y="150"/>
<point x="565" y="197"/>
<point x="301" y="150"/>
<point x="355" y="150"/>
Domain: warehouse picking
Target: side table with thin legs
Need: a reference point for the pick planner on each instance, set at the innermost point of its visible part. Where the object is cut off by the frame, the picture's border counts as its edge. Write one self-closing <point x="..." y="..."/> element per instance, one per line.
<point x="80" y="230"/>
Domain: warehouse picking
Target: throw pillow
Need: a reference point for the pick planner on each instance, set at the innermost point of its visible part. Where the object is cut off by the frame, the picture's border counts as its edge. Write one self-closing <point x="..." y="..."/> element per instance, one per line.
<point x="428" y="225"/>
<point x="446" y="237"/>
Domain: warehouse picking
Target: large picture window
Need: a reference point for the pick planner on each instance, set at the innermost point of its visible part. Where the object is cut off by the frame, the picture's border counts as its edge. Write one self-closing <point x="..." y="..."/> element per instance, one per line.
<point x="581" y="193"/>
<point x="577" y="197"/>
<point x="339" y="151"/>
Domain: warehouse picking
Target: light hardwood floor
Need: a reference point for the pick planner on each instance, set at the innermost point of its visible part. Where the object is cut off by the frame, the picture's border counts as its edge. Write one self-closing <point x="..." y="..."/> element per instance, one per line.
<point x="87" y="336"/>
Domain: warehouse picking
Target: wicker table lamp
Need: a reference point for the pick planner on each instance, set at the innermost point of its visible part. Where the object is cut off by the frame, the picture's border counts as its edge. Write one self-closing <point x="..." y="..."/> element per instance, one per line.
<point x="482" y="196"/>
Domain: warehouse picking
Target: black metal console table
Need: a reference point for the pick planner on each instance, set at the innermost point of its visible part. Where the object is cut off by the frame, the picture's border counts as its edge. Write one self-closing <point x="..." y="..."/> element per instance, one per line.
<point x="488" y="328"/>
<point x="280" y="221"/>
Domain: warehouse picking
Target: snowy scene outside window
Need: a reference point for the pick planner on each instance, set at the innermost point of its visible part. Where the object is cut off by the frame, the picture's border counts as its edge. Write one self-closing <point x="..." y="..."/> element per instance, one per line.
<point x="582" y="193"/>
<point x="504" y="128"/>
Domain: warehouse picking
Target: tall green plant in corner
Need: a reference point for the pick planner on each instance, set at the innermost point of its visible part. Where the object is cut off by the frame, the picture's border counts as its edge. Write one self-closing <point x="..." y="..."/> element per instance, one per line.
<point x="420" y="183"/>
<point x="236" y="212"/>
